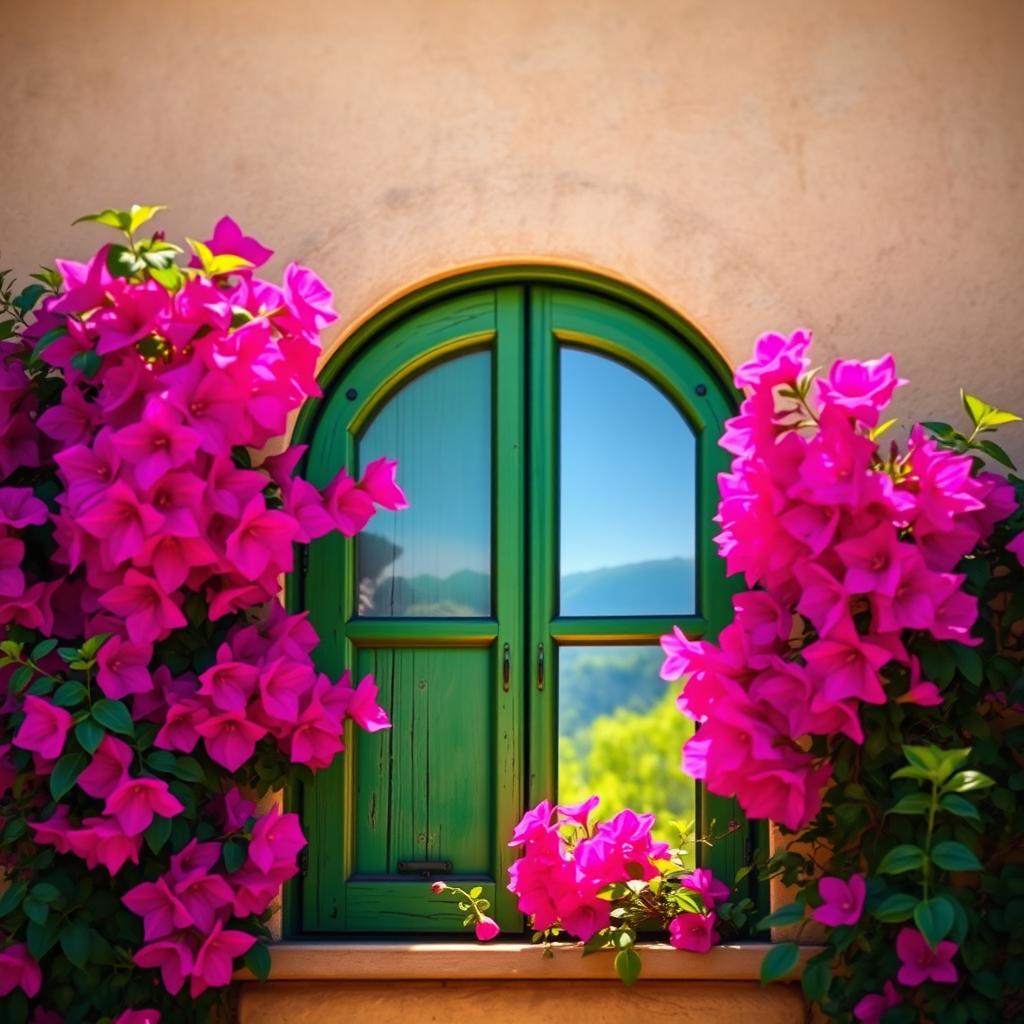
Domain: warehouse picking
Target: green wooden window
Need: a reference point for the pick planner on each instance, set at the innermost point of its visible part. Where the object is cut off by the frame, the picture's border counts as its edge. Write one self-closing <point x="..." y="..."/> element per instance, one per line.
<point x="556" y="435"/>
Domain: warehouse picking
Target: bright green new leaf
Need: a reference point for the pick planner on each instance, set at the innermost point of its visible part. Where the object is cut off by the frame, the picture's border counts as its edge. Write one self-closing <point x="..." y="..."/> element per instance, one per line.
<point x="878" y="431"/>
<point x="779" y="961"/>
<point x="899" y="859"/>
<point x="119" y="219"/>
<point x="965" y="782"/>
<point x="953" y="856"/>
<point x="140" y="214"/>
<point x="934" y="918"/>
<point x="985" y="416"/>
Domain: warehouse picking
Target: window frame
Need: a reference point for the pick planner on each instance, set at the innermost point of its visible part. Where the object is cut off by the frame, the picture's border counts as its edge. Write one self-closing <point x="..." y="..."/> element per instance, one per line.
<point x="705" y="410"/>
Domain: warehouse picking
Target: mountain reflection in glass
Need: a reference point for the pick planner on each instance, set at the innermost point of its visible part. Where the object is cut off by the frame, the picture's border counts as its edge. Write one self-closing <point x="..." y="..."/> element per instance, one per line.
<point x="627" y="493"/>
<point x="433" y="558"/>
<point x="620" y="735"/>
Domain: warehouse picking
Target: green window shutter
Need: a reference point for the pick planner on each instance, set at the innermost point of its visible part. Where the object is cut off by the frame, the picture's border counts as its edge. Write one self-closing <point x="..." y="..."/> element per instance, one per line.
<point x="455" y="608"/>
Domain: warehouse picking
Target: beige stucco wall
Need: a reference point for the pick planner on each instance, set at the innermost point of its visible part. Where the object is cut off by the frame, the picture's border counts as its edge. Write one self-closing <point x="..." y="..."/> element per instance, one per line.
<point x="852" y="165"/>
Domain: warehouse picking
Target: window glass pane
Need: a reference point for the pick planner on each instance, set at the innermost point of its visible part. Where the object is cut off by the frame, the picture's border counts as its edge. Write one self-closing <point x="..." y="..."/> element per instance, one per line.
<point x="628" y="493"/>
<point x="433" y="558"/>
<point x="620" y="735"/>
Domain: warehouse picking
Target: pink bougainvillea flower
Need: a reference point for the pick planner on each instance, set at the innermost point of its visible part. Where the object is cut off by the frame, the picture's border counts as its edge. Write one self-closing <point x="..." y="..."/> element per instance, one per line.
<point x="88" y="471"/>
<point x="843" y="901"/>
<point x="579" y="813"/>
<point x="230" y="738"/>
<point x="214" y="962"/>
<point x="872" y="561"/>
<point x="179" y="731"/>
<point x="1016" y="547"/>
<point x="177" y="497"/>
<point x="133" y="313"/>
<point x="535" y="824"/>
<point x="350" y="507"/>
<point x="281" y="684"/>
<point x="777" y="360"/>
<point x="122" y="667"/>
<point x="172" y="957"/>
<point x="12" y="579"/>
<point x="304" y="503"/>
<point x="44" y="728"/>
<point x="160" y="908"/>
<point x="276" y="837"/>
<point x="138" y="1017"/>
<point x="871" y="1008"/>
<point x="203" y="895"/>
<point x="861" y="390"/>
<point x="158" y="443"/>
<point x="263" y="536"/>
<point x="195" y="856"/>
<point x="135" y="802"/>
<point x="363" y="708"/>
<point x="54" y="831"/>
<point x="921" y="963"/>
<point x="85" y="284"/>
<point x="709" y="888"/>
<point x="228" y="239"/>
<point x="487" y="929"/>
<point x="693" y="932"/>
<point x="379" y="484"/>
<point x="19" y="970"/>
<point x="235" y="809"/>
<point x="229" y="684"/>
<point x="316" y="738"/>
<point x="308" y="299"/>
<point x="101" y="840"/>
<point x="72" y="420"/>
<point x="20" y="508"/>
<point x="620" y="849"/>
<point x="149" y="613"/>
<point x="847" y="666"/>
<point x="107" y="769"/>
<point x="120" y="520"/>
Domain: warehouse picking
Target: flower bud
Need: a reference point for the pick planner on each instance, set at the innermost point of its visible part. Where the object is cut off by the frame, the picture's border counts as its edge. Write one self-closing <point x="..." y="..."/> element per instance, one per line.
<point x="437" y="888"/>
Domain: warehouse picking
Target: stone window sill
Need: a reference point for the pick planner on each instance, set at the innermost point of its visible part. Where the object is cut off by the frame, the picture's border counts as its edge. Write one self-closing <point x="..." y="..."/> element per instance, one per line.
<point x="436" y="961"/>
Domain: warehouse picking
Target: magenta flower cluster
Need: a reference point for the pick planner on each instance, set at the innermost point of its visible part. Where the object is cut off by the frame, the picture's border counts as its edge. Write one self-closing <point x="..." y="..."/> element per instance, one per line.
<point x="159" y="524"/>
<point x="851" y="551"/>
<point x="569" y="868"/>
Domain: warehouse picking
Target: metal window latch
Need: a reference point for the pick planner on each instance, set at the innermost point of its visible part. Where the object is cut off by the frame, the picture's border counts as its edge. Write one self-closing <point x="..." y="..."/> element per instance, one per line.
<point x="540" y="666"/>
<point x="426" y="868"/>
<point x="506" y="668"/>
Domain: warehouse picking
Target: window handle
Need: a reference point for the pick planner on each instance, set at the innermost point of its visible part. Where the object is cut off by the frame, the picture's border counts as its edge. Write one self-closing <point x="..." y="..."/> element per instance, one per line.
<point x="506" y="668"/>
<point x="540" y="666"/>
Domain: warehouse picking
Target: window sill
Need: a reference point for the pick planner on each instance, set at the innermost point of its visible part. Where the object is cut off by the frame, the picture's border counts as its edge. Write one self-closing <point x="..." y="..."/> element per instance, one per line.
<point x="437" y="961"/>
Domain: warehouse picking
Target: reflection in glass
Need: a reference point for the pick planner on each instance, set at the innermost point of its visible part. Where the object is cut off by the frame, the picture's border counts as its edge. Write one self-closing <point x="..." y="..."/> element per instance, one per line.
<point x="628" y="493"/>
<point x="433" y="558"/>
<point x="620" y="736"/>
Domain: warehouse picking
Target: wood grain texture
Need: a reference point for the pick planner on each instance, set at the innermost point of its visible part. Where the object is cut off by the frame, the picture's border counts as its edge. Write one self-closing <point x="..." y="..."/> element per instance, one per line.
<point x="490" y="1002"/>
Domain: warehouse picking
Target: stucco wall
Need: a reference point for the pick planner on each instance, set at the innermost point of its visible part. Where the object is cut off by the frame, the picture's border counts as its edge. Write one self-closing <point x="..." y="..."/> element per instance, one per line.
<point x="852" y="165"/>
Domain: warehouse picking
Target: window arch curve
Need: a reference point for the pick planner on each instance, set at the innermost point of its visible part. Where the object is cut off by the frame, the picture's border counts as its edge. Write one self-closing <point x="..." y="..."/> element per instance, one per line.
<point x="519" y="601"/>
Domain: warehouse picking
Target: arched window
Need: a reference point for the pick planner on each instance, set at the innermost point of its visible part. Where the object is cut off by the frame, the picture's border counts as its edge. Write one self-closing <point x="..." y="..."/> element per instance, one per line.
<point x="556" y="435"/>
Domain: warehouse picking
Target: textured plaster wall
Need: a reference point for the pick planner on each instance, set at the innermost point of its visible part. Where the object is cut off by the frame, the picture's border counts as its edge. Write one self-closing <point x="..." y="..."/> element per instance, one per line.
<point x="851" y="165"/>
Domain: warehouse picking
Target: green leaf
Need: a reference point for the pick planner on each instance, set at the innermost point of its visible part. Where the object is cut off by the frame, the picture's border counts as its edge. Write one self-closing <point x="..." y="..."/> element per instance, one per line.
<point x="171" y="278"/>
<point x="93" y="644"/>
<point x="43" y="648"/>
<point x="12" y="897"/>
<point x="234" y="853"/>
<point x="876" y="432"/>
<point x="66" y="772"/>
<point x="943" y="431"/>
<point x="188" y="769"/>
<point x="158" y="833"/>
<point x="69" y="694"/>
<point x="970" y="664"/>
<point x="89" y="734"/>
<point x="76" y="941"/>
<point x="45" y="892"/>
<point x="476" y="892"/>
<point x="122" y="262"/>
<point x="119" y="219"/>
<point x="36" y="910"/>
<point x="934" y="918"/>
<point x="20" y="677"/>
<point x="161" y="761"/>
<point x="901" y="858"/>
<point x="966" y="782"/>
<point x="627" y="965"/>
<point x="87" y="363"/>
<point x="816" y="979"/>
<point x="959" y="806"/>
<point x="28" y="297"/>
<point x="779" y="961"/>
<point x="915" y="803"/>
<point x="257" y="960"/>
<point x="791" y="913"/>
<point x="953" y="856"/>
<point x="41" y="938"/>
<point x="897" y="907"/>
<point x="985" y="416"/>
<point x="994" y="451"/>
<point x="113" y="715"/>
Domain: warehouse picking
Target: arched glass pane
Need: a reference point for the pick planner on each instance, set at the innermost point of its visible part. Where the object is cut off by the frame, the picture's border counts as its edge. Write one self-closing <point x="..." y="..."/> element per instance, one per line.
<point x="433" y="558"/>
<point x="620" y="736"/>
<point x="628" y="493"/>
